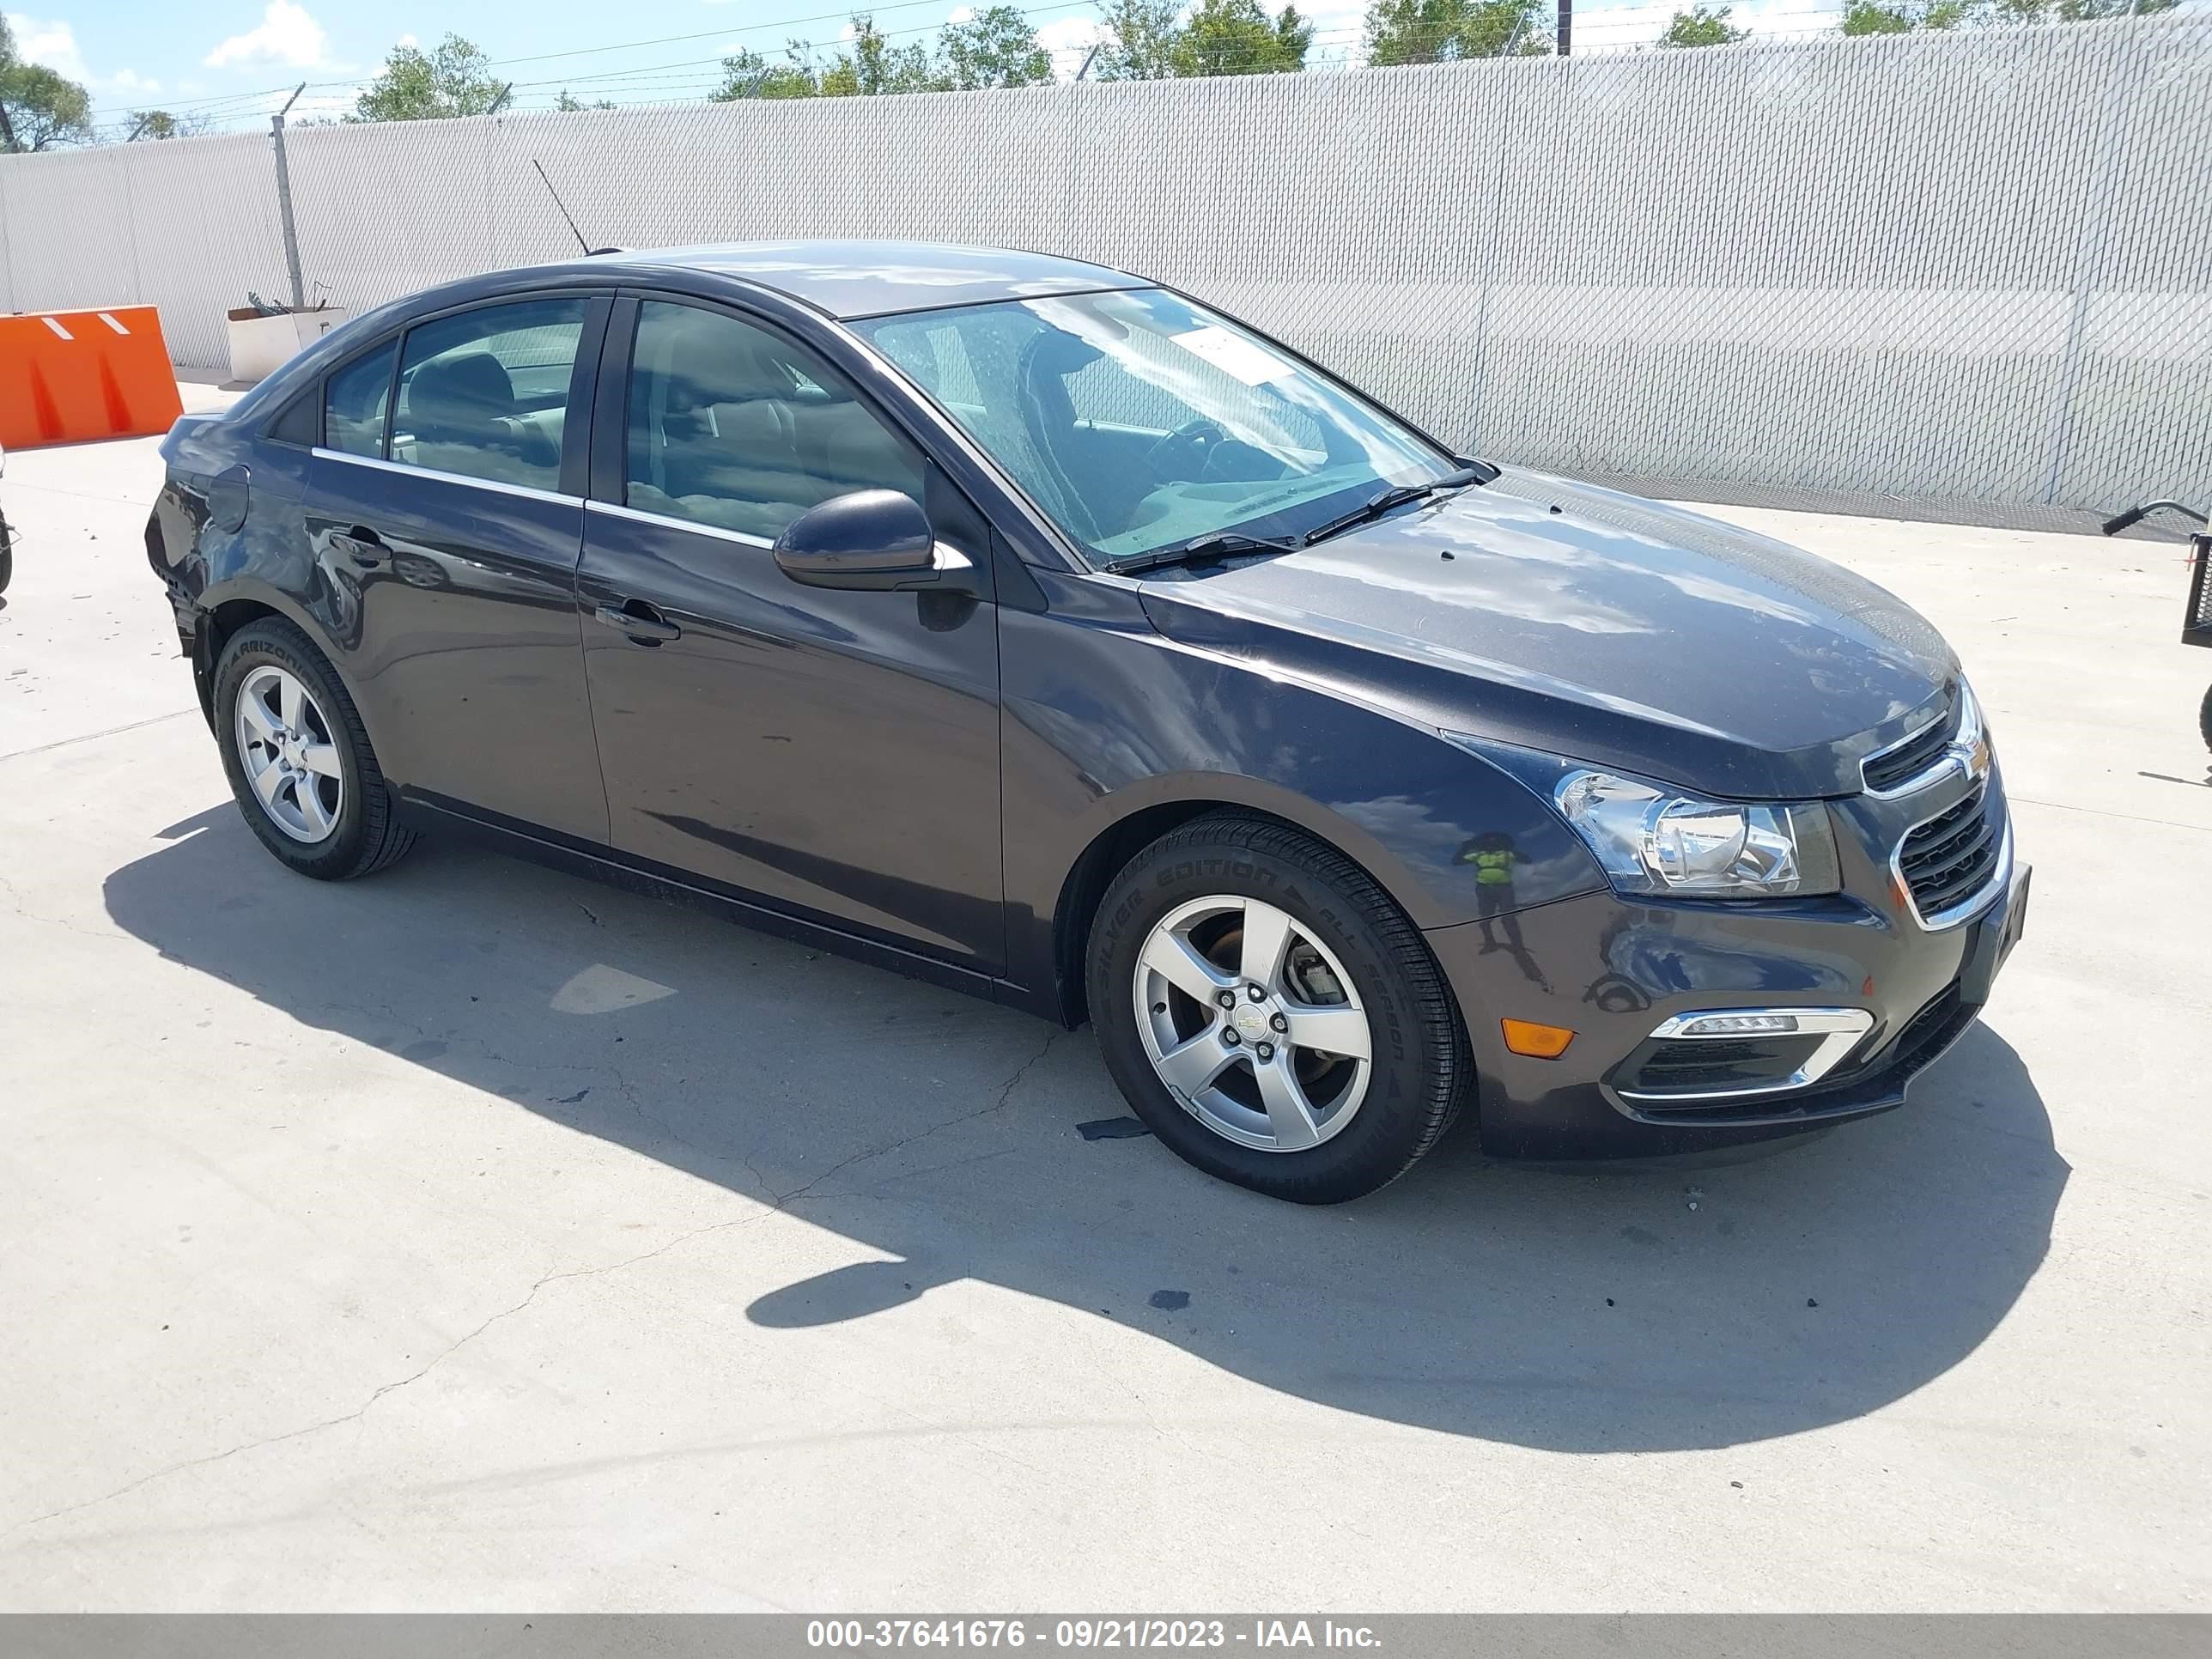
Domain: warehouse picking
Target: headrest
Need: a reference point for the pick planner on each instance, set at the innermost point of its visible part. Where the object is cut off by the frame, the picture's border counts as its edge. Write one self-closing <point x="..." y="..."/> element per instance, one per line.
<point x="720" y="363"/>
<point x="469" y="391"/>
<point x="1055" y="352"/>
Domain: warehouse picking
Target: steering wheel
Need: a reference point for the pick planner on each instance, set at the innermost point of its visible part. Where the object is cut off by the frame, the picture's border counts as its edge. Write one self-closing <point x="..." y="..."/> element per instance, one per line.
<point x="1187" y="443"/>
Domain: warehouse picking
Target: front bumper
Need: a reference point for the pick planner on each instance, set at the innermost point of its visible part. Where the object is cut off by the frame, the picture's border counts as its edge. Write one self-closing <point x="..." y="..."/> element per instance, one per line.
<point x="1614" y="969"/>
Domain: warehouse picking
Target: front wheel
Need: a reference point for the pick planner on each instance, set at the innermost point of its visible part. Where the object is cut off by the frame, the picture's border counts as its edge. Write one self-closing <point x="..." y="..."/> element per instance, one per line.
<point x="2204" y="720"/>
<point x="1271" y="1014"/>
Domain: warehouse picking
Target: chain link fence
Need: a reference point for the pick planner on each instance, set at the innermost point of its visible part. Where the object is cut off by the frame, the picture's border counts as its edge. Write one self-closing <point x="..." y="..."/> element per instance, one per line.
<point x="1973" y="267"/>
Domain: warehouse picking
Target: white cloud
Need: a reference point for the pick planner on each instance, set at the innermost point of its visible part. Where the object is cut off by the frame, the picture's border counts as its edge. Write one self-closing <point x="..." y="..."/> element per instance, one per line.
<point x="408" y="40"/>
<point x="1071" y="36"/>
<point x="54" y="45"/>
<point x="287" y="36"/>
<point x="961" y="15"/>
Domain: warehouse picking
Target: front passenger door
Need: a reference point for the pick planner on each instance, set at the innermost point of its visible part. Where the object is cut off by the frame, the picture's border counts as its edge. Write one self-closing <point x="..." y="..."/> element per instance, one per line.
<point x="833" y="753"/>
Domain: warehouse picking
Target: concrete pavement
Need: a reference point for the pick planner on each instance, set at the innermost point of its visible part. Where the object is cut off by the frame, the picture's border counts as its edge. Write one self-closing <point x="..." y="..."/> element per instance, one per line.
<point x="475" y="1237"/>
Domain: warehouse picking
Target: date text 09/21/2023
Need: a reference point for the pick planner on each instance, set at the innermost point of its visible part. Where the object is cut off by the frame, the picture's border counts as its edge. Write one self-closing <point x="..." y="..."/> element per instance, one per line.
<point x="1083" y="1633"/>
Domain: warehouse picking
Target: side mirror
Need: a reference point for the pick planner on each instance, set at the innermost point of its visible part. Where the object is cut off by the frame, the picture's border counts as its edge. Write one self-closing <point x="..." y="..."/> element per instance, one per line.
<point x="871" y="538"/>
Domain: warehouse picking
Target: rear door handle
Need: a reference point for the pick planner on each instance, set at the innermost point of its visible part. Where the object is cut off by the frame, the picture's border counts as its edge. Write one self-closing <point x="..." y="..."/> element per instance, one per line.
<point x="639" y="623"/>
<point x="362" y="545"/>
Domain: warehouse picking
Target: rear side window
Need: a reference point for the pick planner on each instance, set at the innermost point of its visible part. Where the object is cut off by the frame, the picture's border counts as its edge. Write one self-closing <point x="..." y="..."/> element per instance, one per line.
<point x="485" y="393"/>
<point x="301" y="423"/>
<point x="354" y="401"/>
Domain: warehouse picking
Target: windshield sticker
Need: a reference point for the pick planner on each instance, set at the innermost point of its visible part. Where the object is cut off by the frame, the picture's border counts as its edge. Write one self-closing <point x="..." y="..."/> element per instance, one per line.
<point x="1233" y="355"/>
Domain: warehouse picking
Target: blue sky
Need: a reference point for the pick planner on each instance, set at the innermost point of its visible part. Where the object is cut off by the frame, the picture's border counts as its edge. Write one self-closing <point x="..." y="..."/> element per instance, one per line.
<point x="211" y="57"/>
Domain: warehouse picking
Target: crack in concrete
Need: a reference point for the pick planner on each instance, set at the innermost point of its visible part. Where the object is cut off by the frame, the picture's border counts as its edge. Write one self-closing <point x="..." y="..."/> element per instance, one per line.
<point x="777" y="1207"/>
<point x="95" y="736"/>
<point x="383" y="1390"/>
<point x="1006" y="1094"/>
<point x="16" y="905"/>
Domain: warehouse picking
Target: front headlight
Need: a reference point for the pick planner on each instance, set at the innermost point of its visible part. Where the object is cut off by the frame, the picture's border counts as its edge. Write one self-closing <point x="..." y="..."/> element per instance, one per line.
<point x="1650" y="840"/>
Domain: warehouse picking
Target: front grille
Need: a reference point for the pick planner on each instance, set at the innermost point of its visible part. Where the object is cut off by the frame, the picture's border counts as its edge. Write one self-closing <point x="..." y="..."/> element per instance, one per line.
<point x="1706" y="1065"/>
<point x="1949" y="858"/>
<point x="1908" y="760"/>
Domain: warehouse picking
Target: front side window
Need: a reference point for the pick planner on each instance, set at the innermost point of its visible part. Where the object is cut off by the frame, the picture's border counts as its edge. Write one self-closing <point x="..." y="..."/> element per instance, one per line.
<point x="354" y="401"/>
<point x="1138" y="422"/>
<point x="484" y="393"/>
<point x="736" y="428"/>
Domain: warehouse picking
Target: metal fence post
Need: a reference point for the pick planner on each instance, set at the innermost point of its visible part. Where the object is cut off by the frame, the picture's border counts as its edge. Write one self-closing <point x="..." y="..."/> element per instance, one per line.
<point x="284" y="198"/>
<point x="2089" y="250"/>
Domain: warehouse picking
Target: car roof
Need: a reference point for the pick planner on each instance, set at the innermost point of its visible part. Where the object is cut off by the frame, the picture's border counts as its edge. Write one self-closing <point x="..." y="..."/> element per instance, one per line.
<point x="853" y="279"/>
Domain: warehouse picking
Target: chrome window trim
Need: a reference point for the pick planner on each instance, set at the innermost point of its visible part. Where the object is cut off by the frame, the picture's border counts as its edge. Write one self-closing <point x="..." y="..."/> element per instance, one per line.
<point x="1975" y="901"/>
<point x="670" y="521"/>
<point x="408" y="468"/>
<point x="1840" y="1029"/>
<point x="1958" y="755"/>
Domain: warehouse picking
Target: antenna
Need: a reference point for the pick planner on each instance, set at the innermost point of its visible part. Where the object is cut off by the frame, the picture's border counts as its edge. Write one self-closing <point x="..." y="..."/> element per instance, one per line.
<point x="563" y="205"/>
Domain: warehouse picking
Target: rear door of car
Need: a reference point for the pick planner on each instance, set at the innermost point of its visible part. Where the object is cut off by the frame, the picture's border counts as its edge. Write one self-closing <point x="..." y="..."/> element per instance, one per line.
<point x="835" y="753"/>
<point x="447" y="496"/>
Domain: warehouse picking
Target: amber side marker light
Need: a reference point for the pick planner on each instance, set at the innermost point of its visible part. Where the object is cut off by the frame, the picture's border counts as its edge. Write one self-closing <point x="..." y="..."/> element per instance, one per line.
<point x="1525" y="1037"/>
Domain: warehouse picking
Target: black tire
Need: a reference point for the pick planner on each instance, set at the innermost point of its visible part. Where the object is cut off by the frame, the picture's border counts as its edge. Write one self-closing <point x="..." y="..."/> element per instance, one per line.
<point x="369" y="834"/>
<point x="2204" y="720"/>
<point x="1421" y="1067"/>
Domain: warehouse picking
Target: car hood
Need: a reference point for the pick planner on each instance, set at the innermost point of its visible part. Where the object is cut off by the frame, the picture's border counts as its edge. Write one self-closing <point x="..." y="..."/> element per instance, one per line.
<point x="1580" y="621"/>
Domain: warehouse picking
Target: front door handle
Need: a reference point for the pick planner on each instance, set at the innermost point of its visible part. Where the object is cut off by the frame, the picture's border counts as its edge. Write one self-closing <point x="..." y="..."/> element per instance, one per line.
<point x="638" y="621"/>
<point x="361" y="544"/>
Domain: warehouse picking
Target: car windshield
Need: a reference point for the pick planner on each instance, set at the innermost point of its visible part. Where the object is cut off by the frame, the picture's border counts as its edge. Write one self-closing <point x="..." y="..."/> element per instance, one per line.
<point x="1138" y="421"/>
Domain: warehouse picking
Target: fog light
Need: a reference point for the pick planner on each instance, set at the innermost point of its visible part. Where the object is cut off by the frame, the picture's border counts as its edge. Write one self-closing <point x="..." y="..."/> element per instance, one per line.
<point x="1740" y="1025"/>
<point x="1525" y="1037"/>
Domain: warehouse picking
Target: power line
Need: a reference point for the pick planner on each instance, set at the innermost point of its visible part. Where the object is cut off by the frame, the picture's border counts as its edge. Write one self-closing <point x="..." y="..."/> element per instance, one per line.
<point x="648" y="79"/>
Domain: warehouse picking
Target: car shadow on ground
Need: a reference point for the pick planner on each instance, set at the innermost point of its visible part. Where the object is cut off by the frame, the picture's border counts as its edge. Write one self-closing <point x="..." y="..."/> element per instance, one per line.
<point x="1631" y="1309"/>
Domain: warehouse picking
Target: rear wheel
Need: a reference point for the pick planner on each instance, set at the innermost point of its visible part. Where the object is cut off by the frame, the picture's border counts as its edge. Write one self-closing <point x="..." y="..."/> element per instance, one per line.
<point x="2204" y="720"/>
<point x="1270" y="1015"/>
<point x="298" y="759"/>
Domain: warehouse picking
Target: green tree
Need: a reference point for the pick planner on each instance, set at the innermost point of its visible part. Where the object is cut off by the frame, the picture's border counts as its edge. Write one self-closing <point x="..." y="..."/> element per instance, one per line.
<point x="746" y="74"/>
<point x="875" y="66"/>
<point x="1447" y="30"/>
<point x="996" y="47"/>
<point x="38" y="108"/>
<point x="1906" y="16"/>
<point x="2072" y="11"/>
<point x="162" y="124"/>
<point x="1703" y="26"/>
<point x="567" y="105"/>
<point x="1237" y="37"/>
<point x="1142" y="36"/>
<point x="455" y="79"/>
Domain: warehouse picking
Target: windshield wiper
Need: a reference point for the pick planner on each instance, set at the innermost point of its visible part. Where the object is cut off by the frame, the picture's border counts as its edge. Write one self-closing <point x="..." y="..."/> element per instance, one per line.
<point x="1397" y="495"/>
<point x="1215" y="543"/>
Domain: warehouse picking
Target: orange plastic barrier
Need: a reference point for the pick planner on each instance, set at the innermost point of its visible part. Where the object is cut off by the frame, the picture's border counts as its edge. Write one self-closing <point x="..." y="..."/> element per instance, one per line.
<point x="66" y="376"/>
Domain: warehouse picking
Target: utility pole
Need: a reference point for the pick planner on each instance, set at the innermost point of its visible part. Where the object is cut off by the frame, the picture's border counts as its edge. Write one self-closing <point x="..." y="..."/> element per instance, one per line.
<point x="1566" y="27"/>
<point x="284" y="198"/>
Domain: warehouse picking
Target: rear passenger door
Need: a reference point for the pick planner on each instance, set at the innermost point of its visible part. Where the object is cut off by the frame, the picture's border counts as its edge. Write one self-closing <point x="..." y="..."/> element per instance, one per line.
<point x="448" y="495"/>
<point x="834" y="753"/>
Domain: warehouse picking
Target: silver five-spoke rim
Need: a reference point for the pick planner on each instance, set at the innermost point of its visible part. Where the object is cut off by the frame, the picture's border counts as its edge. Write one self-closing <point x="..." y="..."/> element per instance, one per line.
<point x="284" y="745"/>
<point x="1252" y="1024"/>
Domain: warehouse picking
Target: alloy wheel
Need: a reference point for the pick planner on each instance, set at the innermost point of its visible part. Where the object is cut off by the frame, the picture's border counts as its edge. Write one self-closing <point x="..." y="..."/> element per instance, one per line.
<point x="1252" y="1024"/>
<point x="284" y="746"/>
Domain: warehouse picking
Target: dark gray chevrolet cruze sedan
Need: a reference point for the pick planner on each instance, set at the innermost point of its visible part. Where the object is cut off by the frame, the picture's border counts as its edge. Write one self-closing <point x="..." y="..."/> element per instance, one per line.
<point x="1027" y="626"/>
